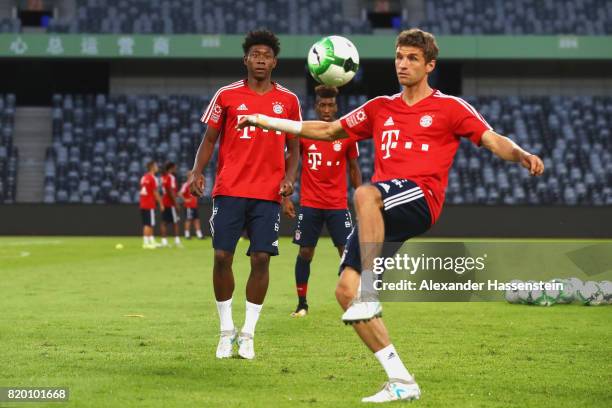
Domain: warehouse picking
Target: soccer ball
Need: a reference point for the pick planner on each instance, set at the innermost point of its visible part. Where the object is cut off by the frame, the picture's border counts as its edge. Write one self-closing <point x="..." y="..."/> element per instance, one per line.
<point x="333" y="61"/>
<point x="575" y="285"/>
<point x="543" y="297"/>
<point x="512" y="295"/>
<point x="590" y="294"/>
<point x="606" y="288"/>
<point x="566" y="294"/>
<point x="525" y="295"/>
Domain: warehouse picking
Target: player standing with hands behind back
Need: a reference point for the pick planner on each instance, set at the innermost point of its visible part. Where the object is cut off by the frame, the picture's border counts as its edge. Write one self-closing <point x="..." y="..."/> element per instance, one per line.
<point x="323" y="195"/>
<point x="251" y="180"/>
<point x="416" y="134"/>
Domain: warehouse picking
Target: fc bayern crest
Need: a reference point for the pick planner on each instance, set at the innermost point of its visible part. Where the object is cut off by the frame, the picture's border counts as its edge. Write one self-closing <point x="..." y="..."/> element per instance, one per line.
<point x="337" y="146"/>
<point x="277" y="107"/>
<point x="426" y="121"/>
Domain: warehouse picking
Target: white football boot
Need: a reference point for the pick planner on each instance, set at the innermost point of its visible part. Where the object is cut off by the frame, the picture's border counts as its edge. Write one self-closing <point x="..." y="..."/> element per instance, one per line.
<point x="360" y="311"/>
<point x="396" y="390"/>
<point x="246" y="348"/>
<point x="226" y="344"/>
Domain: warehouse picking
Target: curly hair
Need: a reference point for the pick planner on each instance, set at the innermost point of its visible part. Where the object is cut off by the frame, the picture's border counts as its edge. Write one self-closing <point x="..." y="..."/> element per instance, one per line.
<point x="168" y="166"/>
<point x="324" y="91"/>
<point x="261" y="37"/>
<point x="419" y="39"/>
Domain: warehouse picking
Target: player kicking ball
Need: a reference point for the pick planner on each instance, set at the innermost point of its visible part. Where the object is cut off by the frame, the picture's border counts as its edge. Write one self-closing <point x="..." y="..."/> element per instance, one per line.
<point x="252" y="177"/>
<point x="323" y="196"/>
<point x="416" y="135"/>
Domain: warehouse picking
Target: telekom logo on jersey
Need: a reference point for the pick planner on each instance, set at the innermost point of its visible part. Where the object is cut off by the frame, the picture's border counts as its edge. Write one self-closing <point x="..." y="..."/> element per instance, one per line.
<point x="390" y="140"/>
<point x="248" y="131"/>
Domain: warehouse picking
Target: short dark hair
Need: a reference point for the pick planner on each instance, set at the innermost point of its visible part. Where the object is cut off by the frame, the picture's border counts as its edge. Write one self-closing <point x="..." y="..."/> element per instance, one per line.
<point x="150" y="165"/>
<point x="261" y="37"/>
<point x="420" y="39"/>
<point x="324" y="91"/>
<point x="168" y="166"/>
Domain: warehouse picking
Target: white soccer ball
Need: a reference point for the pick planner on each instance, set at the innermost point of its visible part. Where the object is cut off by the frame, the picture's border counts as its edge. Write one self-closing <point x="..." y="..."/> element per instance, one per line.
<point x="590" y="294"/>
<point x="566" y="294"/>
<point x="333" y="61"/>
<point x="606" y="288"/>
<point x="544" y="297"/>
<point x="512" y="296"/>
<point x="575" y="285"/>
<point x="525" y="295"/>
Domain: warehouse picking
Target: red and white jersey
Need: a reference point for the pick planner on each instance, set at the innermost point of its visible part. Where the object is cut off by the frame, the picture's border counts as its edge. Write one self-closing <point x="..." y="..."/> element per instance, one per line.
<point x="323" y="180"/>
<point x="189" y="200"/>
<point x="251" y="160"/>
<point x="416" y="142"/>
<point x="148" y="186"/>
<point x="168" y="182"/>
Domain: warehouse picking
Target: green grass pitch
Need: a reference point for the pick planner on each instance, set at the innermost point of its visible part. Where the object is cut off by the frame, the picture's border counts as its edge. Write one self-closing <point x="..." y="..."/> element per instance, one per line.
<point x="64" y="321"/>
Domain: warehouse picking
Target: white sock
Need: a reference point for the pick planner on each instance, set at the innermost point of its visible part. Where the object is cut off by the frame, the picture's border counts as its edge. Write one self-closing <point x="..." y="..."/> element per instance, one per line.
<point x="164" y="241"/>
<point x="148" y="240"/>
<point x="199" y="233"/>
<point x="392" y="363"/>
<point x="177" y="240"/>
<point x="187" y="234"/>
<point x="225" y="314"/>
<point x="251" y="317"/>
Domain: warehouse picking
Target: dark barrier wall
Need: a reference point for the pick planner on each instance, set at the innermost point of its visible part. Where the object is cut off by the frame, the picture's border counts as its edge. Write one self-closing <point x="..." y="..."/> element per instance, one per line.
<point x="456" y="221"/>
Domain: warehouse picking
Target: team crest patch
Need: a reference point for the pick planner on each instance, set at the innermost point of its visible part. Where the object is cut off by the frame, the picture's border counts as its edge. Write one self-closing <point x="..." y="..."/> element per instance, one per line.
<point x="298" y="235"/>
<point x="216" y="113"/>
<point x="356" y="118"/>
<point x="277" y="107"/>
<point x="337" y="146"/>
<point x="426" y="121"/>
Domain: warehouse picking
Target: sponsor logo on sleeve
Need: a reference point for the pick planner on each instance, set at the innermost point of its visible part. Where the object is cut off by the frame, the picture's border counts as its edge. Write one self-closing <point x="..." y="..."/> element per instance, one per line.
<point x="356" y="118"/>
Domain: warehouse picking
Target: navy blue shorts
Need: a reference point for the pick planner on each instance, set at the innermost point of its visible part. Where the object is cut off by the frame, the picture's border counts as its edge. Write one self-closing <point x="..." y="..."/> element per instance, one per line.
<point x="148" y="217"/>
<point x="310" y="223"/>
<point x="192" y="214"/>
<point x="170" y="215"/>
<point x="232" y="215"/>
<point x="405" y="214"/>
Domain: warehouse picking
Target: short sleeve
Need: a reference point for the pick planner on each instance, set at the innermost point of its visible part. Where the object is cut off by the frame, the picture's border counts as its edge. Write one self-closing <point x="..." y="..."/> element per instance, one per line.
<point x="352" y="152"/>
<point x="214" y="115"/>
<point x="359" y="123"/>
<point x="467" y="122"/>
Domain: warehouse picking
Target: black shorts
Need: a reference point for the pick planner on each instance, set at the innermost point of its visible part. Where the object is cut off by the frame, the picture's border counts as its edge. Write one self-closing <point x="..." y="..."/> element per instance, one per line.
<point x="170" y="215"/>
<point x="148" y="217"/>
<point x="232" y="215"/>
<point x="405" y="214"/>
<point x="192" y="214"/>
<point x="310" y="223"/>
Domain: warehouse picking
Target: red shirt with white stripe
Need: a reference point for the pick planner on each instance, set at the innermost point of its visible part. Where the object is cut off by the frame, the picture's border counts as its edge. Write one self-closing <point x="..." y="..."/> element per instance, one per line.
<point x="168" y="185"/>
<point x="189" y="200"/>
<point x="148" y="185"/>
<point x="323" y="181"/>
<point x="251" y="160"/>
<point x="416" y="142"/>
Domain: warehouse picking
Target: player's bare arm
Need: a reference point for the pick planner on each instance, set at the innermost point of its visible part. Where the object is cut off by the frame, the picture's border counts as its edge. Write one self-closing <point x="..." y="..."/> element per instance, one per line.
<point x="205" y="151"/>
<point x="506" y="149"/>
<point x="288" y="207"/>
<point x="159" y="200"/>
<point x="354" y="173"/>
<point x="310" y="129"/>
<point x="291" y="167"/>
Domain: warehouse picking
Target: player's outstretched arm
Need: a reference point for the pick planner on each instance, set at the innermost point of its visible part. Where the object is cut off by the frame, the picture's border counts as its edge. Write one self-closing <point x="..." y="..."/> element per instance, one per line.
<point x="310" y="129"/>
<point x="506" y="149"/>
<point x="205" y="151"/>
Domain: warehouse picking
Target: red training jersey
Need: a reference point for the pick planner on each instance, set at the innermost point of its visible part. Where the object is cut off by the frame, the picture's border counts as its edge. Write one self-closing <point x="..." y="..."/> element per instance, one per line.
<point x="251" y="160"/>
<point x="189" y="200"/>
<point x="148" y="186"/>
<point x="168" y="185"/>
<point x="416" y="142"/>
<point x="323" y="180"/>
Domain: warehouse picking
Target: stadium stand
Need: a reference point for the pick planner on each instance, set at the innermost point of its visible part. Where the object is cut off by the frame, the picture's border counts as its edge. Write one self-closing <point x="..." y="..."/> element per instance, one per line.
<point x="10" y="25"/>
<point x="520" y="17"/>
<point x="209" y="17"/>
<point x="100" y="146"/>
<point x="8" y="152"/>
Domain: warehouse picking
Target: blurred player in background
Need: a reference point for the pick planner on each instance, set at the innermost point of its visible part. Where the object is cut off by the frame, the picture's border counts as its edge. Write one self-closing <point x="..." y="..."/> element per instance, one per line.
<point x="252" y="176"/>
<point x="170" y="214"/>
<point x="149" y="197"/>
<point x="323" y="194"/>
<point x="192" y="215"/>
<point x="416" y="134"/>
